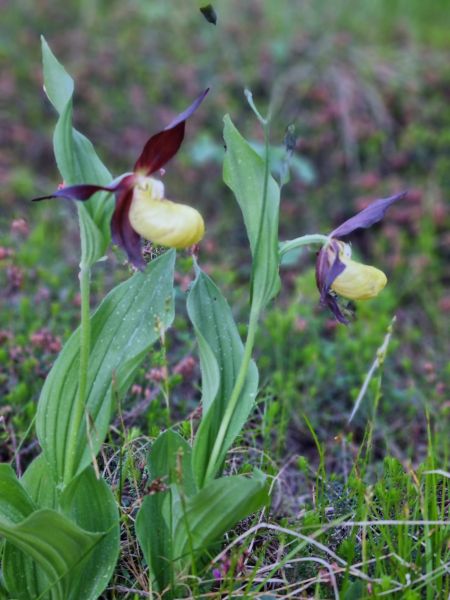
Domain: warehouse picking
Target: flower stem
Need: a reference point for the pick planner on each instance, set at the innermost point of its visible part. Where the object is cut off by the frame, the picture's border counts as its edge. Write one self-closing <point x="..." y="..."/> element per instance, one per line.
<point x="235" y="394"/>
<point x="261" y="119"/>
<point x="85" y="342"/>
<point x="304" y="240"/>
<point x="255" y="309"/>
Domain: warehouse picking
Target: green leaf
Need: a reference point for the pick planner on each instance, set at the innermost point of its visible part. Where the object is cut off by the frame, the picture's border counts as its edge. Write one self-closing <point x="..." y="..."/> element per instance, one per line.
<point x="168" y="521"/>
<point x="90" y="504"/>
<point x="170" y="458"/>
<point x="15" y="504"/>
<point x="39" y="484"/>
<point x="77" y="160"/>
<point x="244" y="172"/>
<point x="58" y="83"/>
<point x="221" y="351"/>
<point x="55" y="543"/>
<point x="123" y="328"/>
<point x="301" y="167"/>
<point x="155" y="540"/>
<point x="154" y="528"/>
<point x="215" y="509"/>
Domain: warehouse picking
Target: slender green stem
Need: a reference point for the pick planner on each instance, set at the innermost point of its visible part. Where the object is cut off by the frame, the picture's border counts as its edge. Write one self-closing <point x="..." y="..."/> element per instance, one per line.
<point x="255" y="310"/>
<point x="304" y="240"/>
<point x="264" y="121"/>
<point x="266" y="127"/>
<point x="235" y="394"/>
<point x="85" y="342"/>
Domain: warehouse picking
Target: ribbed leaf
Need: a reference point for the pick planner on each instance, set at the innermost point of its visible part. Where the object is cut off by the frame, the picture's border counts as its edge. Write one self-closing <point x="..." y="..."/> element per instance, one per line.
<point x="215" y="509"/>
<point x="32" y="581"/>
<point x="166" y="517"/>
<point x="58" y="84"/>
<point x="221" y="352"/>
<point x="170" y="460"/>
<point x="15" y="504"/>
<point x="123" y="328"/>
<point x="55" y="543"/>
<point x="244" y="173"/>
<point x="90" y="504"/>
<point x="77" y="160"/>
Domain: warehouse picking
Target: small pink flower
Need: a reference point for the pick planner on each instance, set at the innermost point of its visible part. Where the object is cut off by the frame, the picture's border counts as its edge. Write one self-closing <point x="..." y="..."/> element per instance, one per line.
<point x="157" y="374"/>
<point x="46" y="341"/>
<point x="185" y="367"/>
<point x="5" y="253"/>
<point x="20" y="227"/>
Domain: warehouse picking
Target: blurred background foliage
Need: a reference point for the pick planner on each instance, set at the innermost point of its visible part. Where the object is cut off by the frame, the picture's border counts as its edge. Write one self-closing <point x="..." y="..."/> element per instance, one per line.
<point x="366" y="85"/>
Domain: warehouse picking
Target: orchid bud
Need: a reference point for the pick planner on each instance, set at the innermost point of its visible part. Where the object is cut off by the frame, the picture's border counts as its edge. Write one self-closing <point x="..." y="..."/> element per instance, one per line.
<point x="357" y="281"/>
<point x="162" y="221"/>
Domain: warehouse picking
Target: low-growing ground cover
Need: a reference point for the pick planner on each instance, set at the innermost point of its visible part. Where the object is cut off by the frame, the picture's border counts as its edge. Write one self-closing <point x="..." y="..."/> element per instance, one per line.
<point x="371" y="115"/>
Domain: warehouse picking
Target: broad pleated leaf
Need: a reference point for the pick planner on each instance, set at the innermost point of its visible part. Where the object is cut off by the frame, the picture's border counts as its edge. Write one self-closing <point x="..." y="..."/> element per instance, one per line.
<point x="244" y="174"/>
<point x="154" y="523"/>
<point x="123" y="328"/>
<point x="170" y="458"/>
<point x="215" y="509"/>
<point x="221" y="352"/>
<point x="55" y="543"/>
<point x="90" y="504"/>
<point x="40" y="485"/>
<point x="15" y="503"/>
<point x="58" y="84"/>
<point x="77" y="160"/>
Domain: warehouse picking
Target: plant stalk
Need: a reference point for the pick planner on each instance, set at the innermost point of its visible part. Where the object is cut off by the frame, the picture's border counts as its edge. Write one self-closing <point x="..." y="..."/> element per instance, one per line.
<point x="238" y="386"/>
<point x="85" y="343"/>
<point x="255" y="310"/>
<point x="256" y="304"/>
<point x="304" y="240"/>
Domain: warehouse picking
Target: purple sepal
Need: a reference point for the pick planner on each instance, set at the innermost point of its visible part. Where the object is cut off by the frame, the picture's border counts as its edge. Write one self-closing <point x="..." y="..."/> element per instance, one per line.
<point x="366" y="217"/>
<point x="326" y="274"/>
<point x="333" y="305"/>
<point x="122" y="233"/>
<point x="76" y="192"/>
<point x="84" y="191"/>
<point x="162" y="146"/>
<point x="184" y="116"/>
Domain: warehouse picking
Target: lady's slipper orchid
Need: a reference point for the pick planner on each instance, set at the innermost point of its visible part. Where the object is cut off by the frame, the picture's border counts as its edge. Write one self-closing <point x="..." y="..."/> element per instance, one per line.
<point x="141" y="207"/>
<point x="338" y="274"/>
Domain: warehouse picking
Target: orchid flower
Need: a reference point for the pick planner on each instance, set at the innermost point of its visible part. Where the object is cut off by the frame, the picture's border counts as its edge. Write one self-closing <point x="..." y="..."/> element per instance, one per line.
<point x="338" y="274"/>
<point x="141" y="207"/>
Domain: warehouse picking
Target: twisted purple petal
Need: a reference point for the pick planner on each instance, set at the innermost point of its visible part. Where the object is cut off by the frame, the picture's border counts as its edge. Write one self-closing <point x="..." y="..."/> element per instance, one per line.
<point x="366" y="217"/>
<point x="334" y="271"/>
<point x="162" y="146"/>
<point x="325" y="275"/>
<point x="76" y="192"/>
<point x="84" y="191"/>
<point x="122" y="232"/>
<point x="331" y="303"/>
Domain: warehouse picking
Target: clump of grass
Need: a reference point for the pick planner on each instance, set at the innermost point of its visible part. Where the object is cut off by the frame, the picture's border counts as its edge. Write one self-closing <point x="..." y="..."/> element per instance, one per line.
<point x="372" y="528"/>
